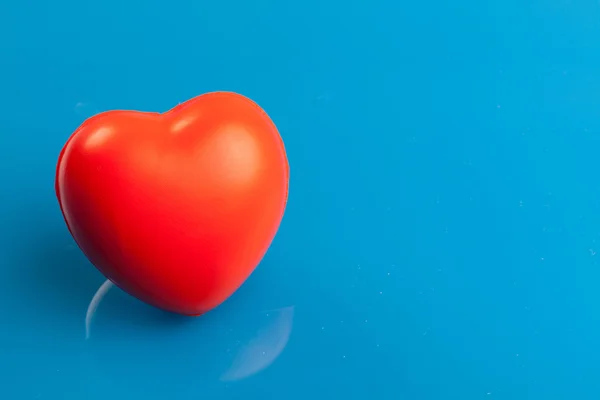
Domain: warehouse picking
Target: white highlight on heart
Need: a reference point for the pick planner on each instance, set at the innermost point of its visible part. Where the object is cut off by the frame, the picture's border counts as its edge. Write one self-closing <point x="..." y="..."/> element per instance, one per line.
<point x="98" y="137"/>
<point x="236" y="151"/>
<point x="183" y="123"/>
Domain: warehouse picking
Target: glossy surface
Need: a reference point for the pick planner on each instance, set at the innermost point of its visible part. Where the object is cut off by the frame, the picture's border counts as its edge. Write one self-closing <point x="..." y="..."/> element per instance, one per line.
<point x="441" y="238"/>
<point x="177" y="209"/>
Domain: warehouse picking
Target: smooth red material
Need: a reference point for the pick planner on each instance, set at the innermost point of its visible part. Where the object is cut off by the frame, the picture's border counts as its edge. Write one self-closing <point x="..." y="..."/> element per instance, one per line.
<point x="177" y="209"/>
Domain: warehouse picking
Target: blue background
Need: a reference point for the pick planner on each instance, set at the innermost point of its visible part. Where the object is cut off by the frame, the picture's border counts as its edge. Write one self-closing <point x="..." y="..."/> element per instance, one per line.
<point x="441" y="234"/>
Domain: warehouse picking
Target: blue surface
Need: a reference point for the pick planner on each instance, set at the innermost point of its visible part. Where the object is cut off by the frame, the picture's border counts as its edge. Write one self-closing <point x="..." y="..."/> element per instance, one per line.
<point x="443" y="224"/>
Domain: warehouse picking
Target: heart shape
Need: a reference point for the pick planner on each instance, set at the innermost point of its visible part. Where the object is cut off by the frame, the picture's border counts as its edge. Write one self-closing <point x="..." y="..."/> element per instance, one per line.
<point x="177" y="209"/>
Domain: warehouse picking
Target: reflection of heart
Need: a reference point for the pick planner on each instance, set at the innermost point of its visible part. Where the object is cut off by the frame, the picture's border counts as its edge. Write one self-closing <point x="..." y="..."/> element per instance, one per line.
<point x="176" y="209"/>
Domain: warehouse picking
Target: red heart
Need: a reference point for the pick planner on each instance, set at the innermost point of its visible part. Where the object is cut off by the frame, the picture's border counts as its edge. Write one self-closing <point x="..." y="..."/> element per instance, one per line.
<point x="177" y="209"/>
